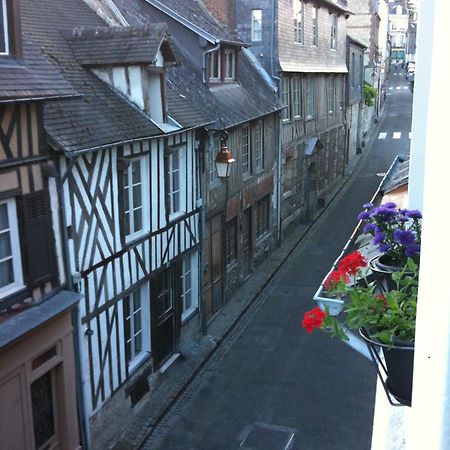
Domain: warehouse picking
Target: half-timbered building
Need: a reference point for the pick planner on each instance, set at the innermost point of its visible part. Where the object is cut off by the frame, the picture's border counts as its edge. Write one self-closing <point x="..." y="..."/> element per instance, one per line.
<point x="224" y="79"/>
<point x="131" y="204"/>
<point x="38" y="406"/>
<point x="302" y="45"/>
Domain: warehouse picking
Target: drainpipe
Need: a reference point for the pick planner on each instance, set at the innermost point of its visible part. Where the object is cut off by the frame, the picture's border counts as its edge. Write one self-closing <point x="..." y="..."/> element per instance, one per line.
<point x="205" y="54"/>
<point x="84" y="426"/>
<point x="279" y="205"/>
<point x="272" y="46"/>
<point x="201" y="160"/>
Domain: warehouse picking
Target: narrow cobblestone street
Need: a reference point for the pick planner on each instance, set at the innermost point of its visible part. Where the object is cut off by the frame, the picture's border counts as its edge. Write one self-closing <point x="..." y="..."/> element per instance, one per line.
<point x="270" y="385"/>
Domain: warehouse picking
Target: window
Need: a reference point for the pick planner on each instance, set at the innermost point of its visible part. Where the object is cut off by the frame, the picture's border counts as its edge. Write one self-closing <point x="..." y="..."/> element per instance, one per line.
<point x="43" y="407"/>
<point x="297" y="100"/>
<point x="229" y="65"/>
<point x="334" y="24"/>
<point x="256" y="25"/>
<point x="331" y="94"/>
<point x="353" y="70"/>
<point x="136" y="313"/>
<point x="315" y="37"/>
<point x="213" y="150"/>
<point x="310" y="97"/>
<point x="259" y="145"/>
<point x="222" y="65"/>
<point x="285" y="95"/>
<point x="4" y="31"/>
<point x="245" y="147"/>
<point x="298" y="21"/>
<point x="134" y="190"/>
<point x="231" y="241"/>
<point x="262" y="216"/>
<point x="214" y="65"/>
<point x="186" y="278"/>
<point x="189" y="293"/>
<point x="11" y="278"/>
<point x="174" y="181"/>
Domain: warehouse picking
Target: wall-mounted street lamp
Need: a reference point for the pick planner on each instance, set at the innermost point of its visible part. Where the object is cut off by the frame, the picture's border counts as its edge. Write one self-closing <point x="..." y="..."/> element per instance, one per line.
<point x="224" y="159"/>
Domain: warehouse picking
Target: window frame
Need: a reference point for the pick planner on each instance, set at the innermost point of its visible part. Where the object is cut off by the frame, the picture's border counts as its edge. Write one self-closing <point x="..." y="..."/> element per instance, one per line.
<point x="215" y="61"/>
<point x="310" y="98"/>
<point x="6" y="29"/>
<point x="214" y="148"/>
<point x="16" y="256"/>
<point x="246" y="152"/>
<point x="259" y="145"/>
<point x="285" y="98"/>
<point x="180" y="151"/>
<point x="133" y="233"/>
<point x="132" y="358"/>
<point x="226" y="53"/>
<point x="334" y="29"/>
<point x="331" y="94"/>
<point x="186" y="312"/>
<point x="256" y="32"/>
<point x="299" y="25"/>
<point x="315" y="26"/>
<point x="297" y="104"/>
<point x="231" y="245"/>
<point x="262" y="217"/>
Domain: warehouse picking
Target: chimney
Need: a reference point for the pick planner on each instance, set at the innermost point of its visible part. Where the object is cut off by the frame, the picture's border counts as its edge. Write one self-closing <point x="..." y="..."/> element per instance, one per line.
<point x="224" y="11"/>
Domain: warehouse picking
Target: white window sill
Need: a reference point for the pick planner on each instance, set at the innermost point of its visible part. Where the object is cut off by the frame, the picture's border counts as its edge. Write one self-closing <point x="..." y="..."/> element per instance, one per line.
<point x="134" y="237"/>
<point x="10" y="289"/>
<point x="188" y="314"/>
<point x="176" y="215"/>
<point x="135" y="363"/>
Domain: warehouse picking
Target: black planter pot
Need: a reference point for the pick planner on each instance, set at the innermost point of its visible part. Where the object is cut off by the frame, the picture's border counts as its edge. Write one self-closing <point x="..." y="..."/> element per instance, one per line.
<point x="382" y="268"/>
<point x="398" y="366"/>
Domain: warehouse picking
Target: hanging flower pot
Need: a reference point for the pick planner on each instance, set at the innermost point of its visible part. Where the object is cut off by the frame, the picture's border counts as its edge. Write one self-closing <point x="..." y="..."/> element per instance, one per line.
<point x="396" y="372"/>
<point x="382" y="267"/>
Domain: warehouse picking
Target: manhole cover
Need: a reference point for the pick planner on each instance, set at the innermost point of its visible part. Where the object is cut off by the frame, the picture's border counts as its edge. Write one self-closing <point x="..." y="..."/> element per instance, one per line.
<point x="267" y="437"/>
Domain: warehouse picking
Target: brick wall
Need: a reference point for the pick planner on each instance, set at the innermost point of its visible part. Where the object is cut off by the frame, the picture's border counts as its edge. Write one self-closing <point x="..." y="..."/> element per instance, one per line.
<point x="224" y="11"/>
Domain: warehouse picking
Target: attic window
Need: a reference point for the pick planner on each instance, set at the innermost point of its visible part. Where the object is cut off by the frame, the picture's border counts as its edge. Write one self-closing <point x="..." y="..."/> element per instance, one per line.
<point x="223" y="65"/>
<point x="4" y="37"/>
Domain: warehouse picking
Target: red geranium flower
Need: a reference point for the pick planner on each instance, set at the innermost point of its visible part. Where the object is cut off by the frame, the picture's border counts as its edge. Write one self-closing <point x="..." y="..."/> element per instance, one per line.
<point x="313" y="319"/>
<point x="334" y="278"/>
<point x="351" y="263"/>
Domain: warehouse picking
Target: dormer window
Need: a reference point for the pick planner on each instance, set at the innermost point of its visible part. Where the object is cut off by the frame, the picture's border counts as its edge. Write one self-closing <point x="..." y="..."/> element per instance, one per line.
<point x="223" y="65"/>
<point x="229" y="65"/>
<point x="9" y="29"/>
<point x="4" y="37"/>
<point x="214" y="66"/>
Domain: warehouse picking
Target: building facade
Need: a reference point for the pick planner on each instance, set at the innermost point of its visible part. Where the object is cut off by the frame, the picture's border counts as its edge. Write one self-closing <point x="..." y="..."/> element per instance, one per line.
<point x="302" y="45"/>
<point x="38" y="407"/>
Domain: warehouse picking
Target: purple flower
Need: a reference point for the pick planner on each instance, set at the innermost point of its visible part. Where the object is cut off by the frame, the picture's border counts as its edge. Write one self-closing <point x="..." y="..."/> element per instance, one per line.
<point x="402" y="219"/>
<point x="370" y="228"/>
<point x="364" y="215"/>
<point x="389" y="205"/>
<point x="384" y="248"/>
<point x="412" y="250"/>
<point x="367" y="205"/>
<point x="404" y="237"/>
<point x="413" y="214"/>
<point x="385" y="214"/>
<point x="379" y="237"/>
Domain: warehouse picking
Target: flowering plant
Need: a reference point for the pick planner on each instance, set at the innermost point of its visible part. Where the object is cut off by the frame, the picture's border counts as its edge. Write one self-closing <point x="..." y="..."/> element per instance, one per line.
<point x="387" y="316"/>
<point x="396" y="232"/>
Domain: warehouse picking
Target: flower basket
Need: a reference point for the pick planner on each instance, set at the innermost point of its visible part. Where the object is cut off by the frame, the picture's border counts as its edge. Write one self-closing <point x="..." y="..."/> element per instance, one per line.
<point x="382" y="269"/>
<point x="396" y="371"/>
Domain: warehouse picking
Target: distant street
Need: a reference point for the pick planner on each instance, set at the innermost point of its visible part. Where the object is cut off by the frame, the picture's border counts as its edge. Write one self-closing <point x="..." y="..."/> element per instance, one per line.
<point x="275" y="387"/>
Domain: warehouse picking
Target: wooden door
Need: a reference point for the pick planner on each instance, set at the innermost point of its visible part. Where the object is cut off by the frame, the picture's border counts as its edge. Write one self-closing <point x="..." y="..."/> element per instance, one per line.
<point x="247" y="240"/>
<point x="214" y="265"/>
<point x="164" y="293"/>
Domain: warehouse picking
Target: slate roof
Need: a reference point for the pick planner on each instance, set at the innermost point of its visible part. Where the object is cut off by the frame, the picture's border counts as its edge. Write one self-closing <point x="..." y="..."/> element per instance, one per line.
<point x="228" y="104"/>
<point x="101" y="117"/>
<point x="33" y="78"/>
<point x="118" y="45"/>
<point x="194" y="13"/>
